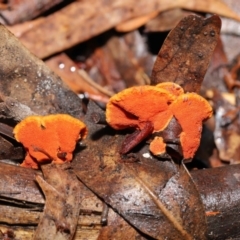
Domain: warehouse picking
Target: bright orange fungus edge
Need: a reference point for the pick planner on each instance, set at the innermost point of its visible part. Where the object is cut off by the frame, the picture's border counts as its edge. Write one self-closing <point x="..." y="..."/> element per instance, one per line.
<point x="49" y="138"/>
<point x="179" y="107"/>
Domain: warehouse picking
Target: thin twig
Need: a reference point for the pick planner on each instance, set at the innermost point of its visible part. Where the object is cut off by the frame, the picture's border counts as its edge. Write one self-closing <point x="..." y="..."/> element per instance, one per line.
<point x="86" y="77"/>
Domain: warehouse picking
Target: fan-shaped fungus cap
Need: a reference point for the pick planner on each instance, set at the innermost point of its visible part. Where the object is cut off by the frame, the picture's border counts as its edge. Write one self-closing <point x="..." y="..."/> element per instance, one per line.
<point x="190" y="110"/>
<point x="172" y="88"/>
<point x="133" y="107"/>
<point x="47" y="138"/>
<point x="157" y="146"/>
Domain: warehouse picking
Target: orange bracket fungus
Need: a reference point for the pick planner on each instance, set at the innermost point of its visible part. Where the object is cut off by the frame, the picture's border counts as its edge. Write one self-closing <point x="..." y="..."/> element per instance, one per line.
<point x="49" y="138"/>
<point x="190" y="110"/>
<point x="149" y="109"/>
<point x="143" y="108"/>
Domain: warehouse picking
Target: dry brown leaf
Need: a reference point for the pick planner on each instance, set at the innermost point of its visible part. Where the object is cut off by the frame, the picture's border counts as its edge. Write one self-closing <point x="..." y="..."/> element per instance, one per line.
<point x="118" y="228"/>
<point x="186" y="52"/>
<point x="135" y="23"/>
<point x="62" y="205"/>
<point x="73" y="28"/>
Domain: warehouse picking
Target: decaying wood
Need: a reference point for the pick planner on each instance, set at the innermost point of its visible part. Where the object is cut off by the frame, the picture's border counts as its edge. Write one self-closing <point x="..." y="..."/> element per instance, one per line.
<point x="18" y="185"/>
<point x="31" y="82"/>
<point x="88" y="22"/>
<point x="221" y="202"/>
<point x="103" y="194"/>
<point x="12" y="109"/>
<point x="19" y="11"/>
<point x="62" y="204"/>
<point x="23" y="204"/>
<point x="8" y="150"/>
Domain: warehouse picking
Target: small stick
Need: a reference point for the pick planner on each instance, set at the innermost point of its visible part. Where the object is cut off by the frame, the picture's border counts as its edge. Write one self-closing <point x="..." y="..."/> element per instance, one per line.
<point x="86" y="77"/>
<point x="104" y="216"/>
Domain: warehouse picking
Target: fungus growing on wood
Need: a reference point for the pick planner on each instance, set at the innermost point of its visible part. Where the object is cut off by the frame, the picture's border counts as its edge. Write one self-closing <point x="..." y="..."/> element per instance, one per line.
<point x="171" y="87"/>
<point x="157" y="146"/>
<point x="133" y="107"/>
<point x="190" y="110"/>
<point x="143" y="108"/>
<point x="149" y="109"/>
<point x="49" y="138"/>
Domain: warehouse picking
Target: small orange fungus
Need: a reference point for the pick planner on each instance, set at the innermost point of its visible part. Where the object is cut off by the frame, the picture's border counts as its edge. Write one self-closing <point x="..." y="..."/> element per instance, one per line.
<point x="171" y="87"/>
<point x="156" y="105"/>
<point x="157" y="146"/>
<point x="190" y="110"/>
<point x="133" y="107"/>
<point x="49" y="138"/>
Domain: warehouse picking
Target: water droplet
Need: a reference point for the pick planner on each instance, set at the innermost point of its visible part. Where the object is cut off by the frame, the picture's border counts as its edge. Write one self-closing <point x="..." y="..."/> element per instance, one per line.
<point x="73" y="69"/>
<point x="147" y="155"/>
<point x="182" y="28"/>
<point x="205" y="33"/>
<point x="61" y="65"/>
<point x="212" y="33"/>
<point x="81" y="95"/>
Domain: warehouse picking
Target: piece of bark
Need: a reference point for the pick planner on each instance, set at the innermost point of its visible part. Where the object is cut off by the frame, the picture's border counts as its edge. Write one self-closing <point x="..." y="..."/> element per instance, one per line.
<point x="18" y="184"/>
<point x="18" y="216"/>
<point x="19" y="29"/>
<point x="218" y="187"/>
<point x="26" y="233"/>
<point x="18" y="232"/>
<point x="28" y="80"/>
<point x="12" y="109"/>
<point x="186" y="52"/>
<point x="9" y="151"/>
<point x="62" y="205"/>
<point x="19" y="11"/>
<point x="6" y="130"/>
<point x="91" y="23"/>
